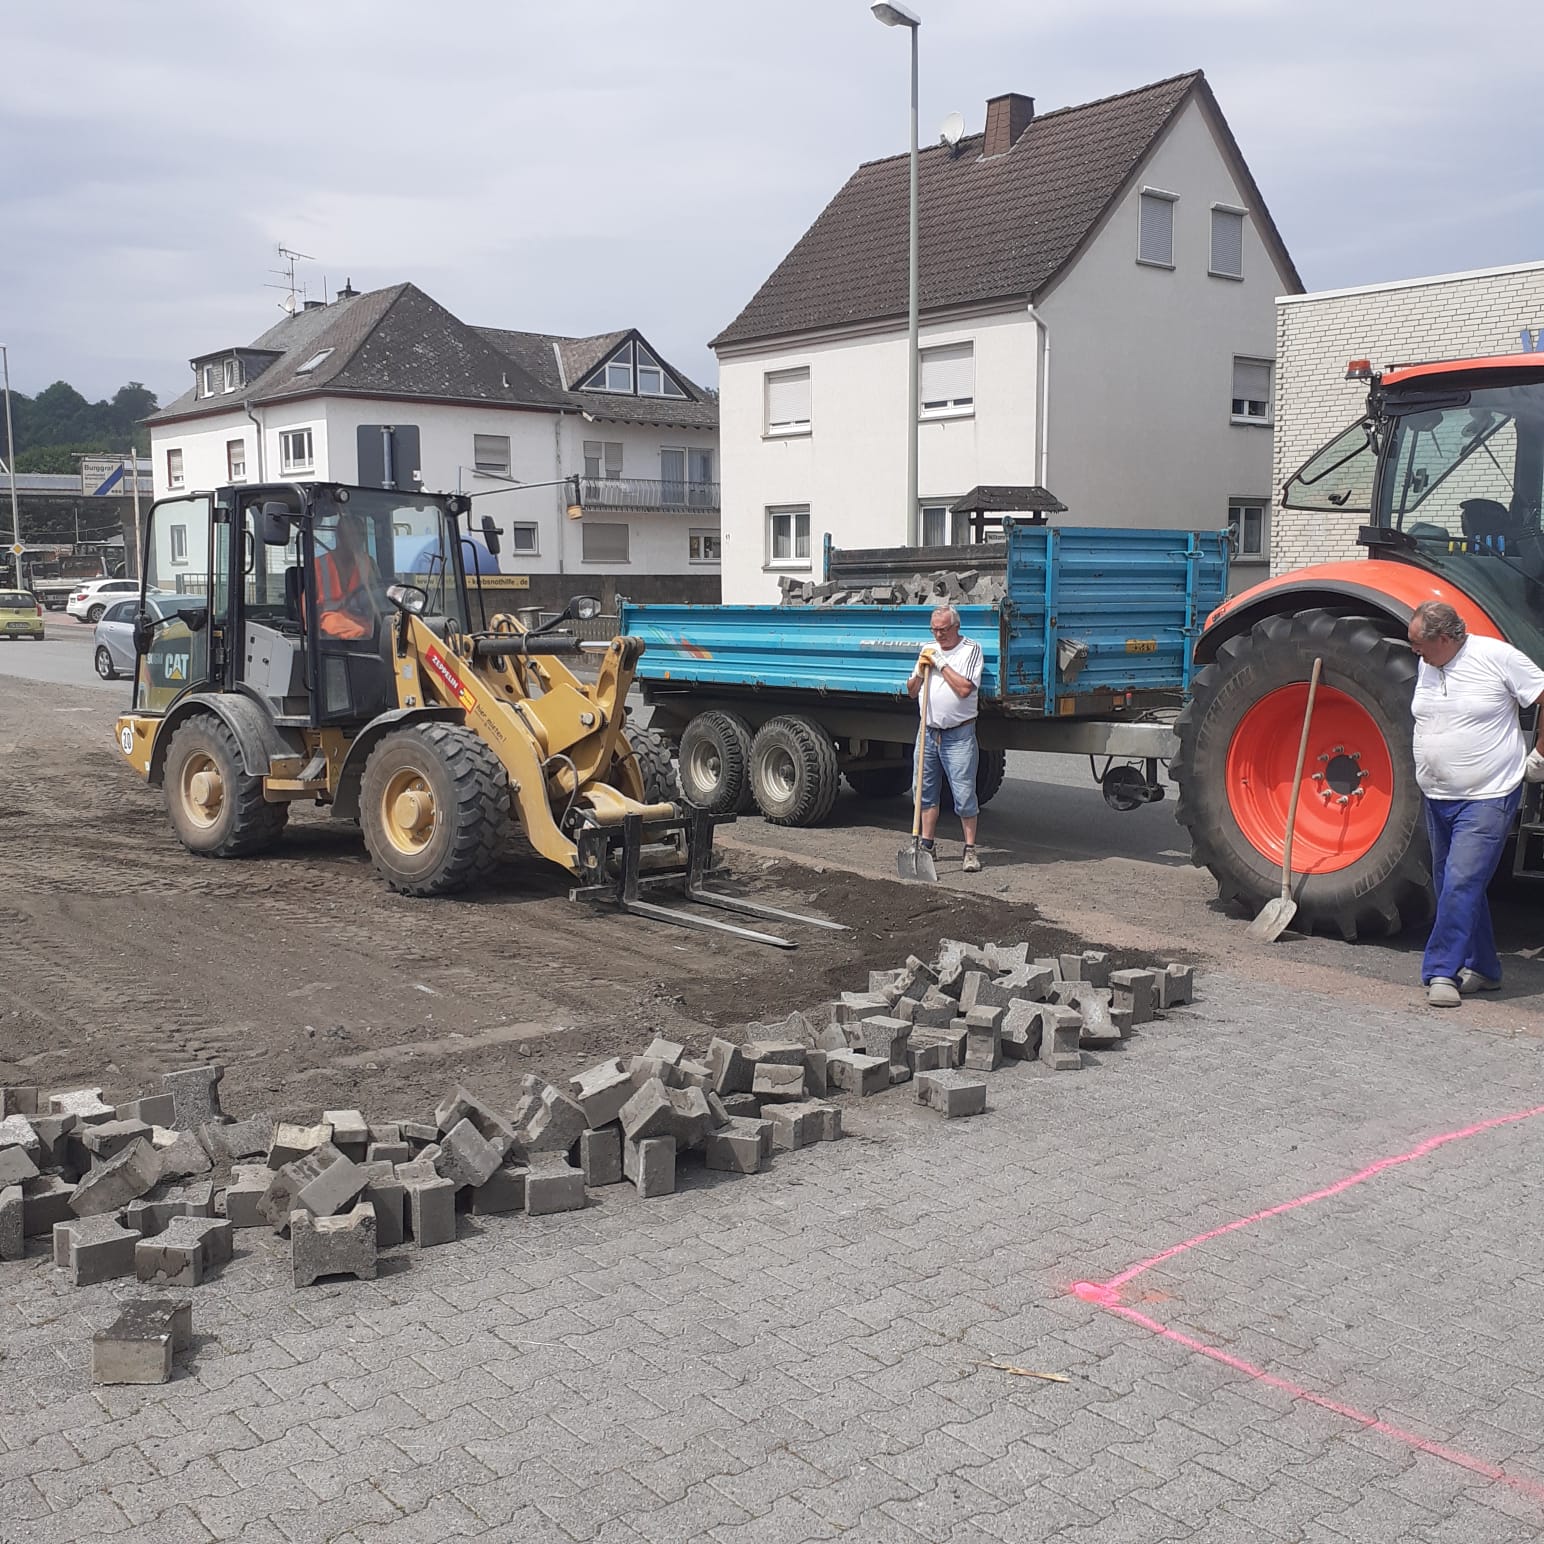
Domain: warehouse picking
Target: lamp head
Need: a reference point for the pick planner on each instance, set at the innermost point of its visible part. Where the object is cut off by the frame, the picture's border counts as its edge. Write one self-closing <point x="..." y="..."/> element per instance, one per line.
<point x="893" y="15"/>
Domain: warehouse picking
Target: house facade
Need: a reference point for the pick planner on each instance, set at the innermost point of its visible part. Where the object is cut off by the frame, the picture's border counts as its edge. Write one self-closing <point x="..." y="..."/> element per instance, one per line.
<point x="389" y="389"/>
<point x="1097" y="317"/>
<point x="1445" y="316"/>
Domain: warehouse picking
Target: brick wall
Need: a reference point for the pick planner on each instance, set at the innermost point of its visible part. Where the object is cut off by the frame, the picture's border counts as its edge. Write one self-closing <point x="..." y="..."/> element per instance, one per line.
<point x="1447" y="317"/>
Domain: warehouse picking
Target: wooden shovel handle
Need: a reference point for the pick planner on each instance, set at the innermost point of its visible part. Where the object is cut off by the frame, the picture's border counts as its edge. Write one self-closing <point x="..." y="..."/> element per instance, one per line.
<point x="916" y="798"/>
<point x="1297" y="782"/>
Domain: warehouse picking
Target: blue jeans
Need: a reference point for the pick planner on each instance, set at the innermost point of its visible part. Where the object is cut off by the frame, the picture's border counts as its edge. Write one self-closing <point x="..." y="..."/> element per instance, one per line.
<point x="951" y="753"/>
<point x="1467" y="837"/>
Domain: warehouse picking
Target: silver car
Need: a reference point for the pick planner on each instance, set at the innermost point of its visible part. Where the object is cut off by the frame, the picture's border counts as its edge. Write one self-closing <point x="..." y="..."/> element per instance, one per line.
<point x="114" y="655"/>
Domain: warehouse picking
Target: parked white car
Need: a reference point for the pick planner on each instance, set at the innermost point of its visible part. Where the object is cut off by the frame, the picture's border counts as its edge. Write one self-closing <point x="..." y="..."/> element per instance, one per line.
<point x="89" y="599"/>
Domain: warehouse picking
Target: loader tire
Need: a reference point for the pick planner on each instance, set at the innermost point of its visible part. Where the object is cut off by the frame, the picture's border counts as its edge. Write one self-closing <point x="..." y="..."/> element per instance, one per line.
<point x="715" y="763"/>
<point x="794" y="774"/>
<point x="651" y="750"/>
<point x="880" y="782"/>
<point x="216" y="808"/>
<point x="1360" y="868"/>
<point x="434" y="809"/>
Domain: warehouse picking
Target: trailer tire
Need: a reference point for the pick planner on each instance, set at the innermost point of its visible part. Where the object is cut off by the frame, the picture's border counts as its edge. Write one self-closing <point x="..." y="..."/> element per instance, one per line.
<point x="882" y="782"/>
<point x="794" y="774"/>
<point x="434" y="808"/>
<point x="216" y="808"/>
<point x="991" y="769"/>
<point x="1366" y="864"/>
<point x="651" y="750"/>
<point x="714" y="767"/>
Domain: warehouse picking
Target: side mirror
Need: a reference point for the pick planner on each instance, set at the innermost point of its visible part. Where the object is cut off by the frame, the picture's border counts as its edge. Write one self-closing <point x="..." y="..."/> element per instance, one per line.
<point x="195" y="619"/>
<point x="408" y="597"/>
<point x="491" y="539"/>
<point x="144" y="632"/>
<point x="582" y="608"/>
<point x="275" y="523"/>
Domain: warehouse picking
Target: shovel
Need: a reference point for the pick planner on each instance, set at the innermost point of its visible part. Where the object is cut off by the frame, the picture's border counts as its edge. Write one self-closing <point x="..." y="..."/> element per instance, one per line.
<point x="1275" y="916"/>
<point x="915" y="862"/>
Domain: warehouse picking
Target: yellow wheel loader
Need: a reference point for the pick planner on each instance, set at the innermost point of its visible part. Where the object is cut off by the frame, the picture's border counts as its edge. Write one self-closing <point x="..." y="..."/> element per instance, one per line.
<point x="328" y="646"/>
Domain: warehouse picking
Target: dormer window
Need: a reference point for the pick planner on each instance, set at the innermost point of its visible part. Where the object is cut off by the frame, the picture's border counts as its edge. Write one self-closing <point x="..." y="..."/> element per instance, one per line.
<point x="312" y="362"/>
<point x="206" y="380"/>
<point x="634" y="370"/>
<point x="234" y="375"/>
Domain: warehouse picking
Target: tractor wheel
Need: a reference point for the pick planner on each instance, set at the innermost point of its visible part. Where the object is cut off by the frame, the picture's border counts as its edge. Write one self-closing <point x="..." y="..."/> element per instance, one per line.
<point x="715" y="763"/>
<point x="794" y="774"/>
<point x="991" y="769"/>
<point x="1360" y="860"/>
<point x="216" y="808"/>
<point x="652" y="752"/>
<point x="434" y="809"/>
<point x="880" y="782"/>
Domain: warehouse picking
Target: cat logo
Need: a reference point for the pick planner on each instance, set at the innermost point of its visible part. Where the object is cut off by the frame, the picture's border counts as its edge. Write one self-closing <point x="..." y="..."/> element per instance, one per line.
<point x="174" y="667"/>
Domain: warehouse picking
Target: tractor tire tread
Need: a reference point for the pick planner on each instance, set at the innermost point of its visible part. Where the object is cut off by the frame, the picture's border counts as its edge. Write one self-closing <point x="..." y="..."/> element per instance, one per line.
<point x="256" y="825"/>
<point x="815" y="755"/>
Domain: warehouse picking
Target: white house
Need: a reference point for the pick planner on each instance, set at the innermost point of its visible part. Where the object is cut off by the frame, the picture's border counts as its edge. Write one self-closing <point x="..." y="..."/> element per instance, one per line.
<point x="389" y="389"/>
<point x="1097" y="317"/>
<point x="1444" y="316"/>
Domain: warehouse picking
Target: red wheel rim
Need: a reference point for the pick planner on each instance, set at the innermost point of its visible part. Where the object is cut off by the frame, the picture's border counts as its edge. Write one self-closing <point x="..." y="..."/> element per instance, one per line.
<point x="1348" y="779"/>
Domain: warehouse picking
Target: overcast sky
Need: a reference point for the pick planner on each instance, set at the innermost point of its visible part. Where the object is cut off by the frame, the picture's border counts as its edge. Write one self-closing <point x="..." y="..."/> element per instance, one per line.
<point x="589" y="164"/>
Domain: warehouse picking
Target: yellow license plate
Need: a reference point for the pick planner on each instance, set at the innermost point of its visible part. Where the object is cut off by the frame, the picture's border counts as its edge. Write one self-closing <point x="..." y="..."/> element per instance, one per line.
<point x="1141" y="645"/>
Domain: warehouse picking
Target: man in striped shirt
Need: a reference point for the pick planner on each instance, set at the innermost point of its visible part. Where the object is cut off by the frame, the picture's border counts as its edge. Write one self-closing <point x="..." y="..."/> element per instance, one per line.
<point x="949" y="735"/>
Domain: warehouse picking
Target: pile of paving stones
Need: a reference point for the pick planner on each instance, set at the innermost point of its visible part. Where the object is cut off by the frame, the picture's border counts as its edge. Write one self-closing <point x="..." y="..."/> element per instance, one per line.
<point x="156" y="1187"/>
<point x="949" y="587"/>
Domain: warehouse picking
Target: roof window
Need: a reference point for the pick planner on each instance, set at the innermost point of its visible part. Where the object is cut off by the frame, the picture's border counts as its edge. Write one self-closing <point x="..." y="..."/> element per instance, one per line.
<point x="312" y="362"/>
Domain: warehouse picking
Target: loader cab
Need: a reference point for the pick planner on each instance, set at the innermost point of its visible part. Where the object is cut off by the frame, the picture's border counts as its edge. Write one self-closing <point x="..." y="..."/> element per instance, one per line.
<point x="296" y="576"/>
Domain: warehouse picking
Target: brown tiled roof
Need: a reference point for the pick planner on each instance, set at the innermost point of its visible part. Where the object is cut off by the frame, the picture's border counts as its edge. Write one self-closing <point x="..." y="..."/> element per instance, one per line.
<point x="988" y="228"/>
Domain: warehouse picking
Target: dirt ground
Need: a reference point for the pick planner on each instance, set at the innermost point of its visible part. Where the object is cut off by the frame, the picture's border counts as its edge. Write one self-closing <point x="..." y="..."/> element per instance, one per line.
<point x="123" y="957"/>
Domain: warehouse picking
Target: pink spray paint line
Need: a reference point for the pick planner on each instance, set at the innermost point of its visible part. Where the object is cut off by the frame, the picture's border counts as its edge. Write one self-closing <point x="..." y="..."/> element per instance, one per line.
<point x="1106" y="1295"/>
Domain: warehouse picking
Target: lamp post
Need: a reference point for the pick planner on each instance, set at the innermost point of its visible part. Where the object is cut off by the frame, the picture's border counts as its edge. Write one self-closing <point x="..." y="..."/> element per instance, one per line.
<point x="893" y="15"/>
<point x="10" y="462"/>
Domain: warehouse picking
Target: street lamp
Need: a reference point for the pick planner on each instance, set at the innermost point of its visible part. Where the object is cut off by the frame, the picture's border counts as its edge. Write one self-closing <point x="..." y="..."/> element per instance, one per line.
<point x="893" y="15"/>
<point x="10" y="465"/>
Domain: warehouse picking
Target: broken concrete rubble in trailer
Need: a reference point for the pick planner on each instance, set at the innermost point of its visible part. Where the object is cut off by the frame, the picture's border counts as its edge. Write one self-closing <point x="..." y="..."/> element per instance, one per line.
<point x="948" y="587"/>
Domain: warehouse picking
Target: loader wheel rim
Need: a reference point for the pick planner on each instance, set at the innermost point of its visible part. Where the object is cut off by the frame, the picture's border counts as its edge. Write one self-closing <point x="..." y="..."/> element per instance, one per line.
<point x="203" y="790"/>
<point x="1348" y="779"/>
<point x="408" y="811"/>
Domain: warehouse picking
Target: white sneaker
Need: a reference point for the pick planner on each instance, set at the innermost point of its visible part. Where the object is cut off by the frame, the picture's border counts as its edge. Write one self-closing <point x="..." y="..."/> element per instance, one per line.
<point x="970" y="863"/>
<point x="1442" y="993"/>
<point x="1471" y="981"/>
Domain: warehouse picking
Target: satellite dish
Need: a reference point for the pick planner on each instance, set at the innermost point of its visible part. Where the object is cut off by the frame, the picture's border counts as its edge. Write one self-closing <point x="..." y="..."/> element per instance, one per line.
<point x="953" y="127"/>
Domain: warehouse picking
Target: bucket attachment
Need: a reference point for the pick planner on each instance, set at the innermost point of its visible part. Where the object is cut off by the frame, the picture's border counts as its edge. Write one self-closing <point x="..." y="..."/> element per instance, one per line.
<point x="635" y="858"/>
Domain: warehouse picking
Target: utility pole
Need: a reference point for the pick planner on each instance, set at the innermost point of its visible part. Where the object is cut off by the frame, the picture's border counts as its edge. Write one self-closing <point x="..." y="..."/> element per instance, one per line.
<point x="133" y="569"/>
<point x="10" y="464"/>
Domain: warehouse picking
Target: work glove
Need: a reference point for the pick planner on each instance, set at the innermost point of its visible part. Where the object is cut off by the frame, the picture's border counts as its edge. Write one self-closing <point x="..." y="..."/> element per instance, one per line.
<point x="928" y="658"/>
<point x="1533" y="768"/>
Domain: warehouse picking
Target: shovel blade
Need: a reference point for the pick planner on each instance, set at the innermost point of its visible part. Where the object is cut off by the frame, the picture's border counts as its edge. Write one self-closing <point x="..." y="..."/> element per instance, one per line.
<point x="916" y="862"/>
<point x="1274" y="919"/>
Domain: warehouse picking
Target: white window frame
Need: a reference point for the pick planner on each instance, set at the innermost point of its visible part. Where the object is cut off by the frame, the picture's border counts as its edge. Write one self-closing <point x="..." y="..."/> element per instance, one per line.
<point x="206" y="374"/>
<point x="1265" y="417"/>
<point x="176" y="476"/>
<point x="233" y="376"/>
<point x="236" y="460"/>
<point x="785" y="427"/>
<point x="1160" y="195"/>
<point x="954" y="536"/>
<point x="959" y="405"/>
<point x="486" y="455"/>
<point x="177" y="543"/>
<point x="606" y="470"/>
<point x="792" y="513"/>
<point x="288" y="460"/>
<point x="534" y="550"/>
<point x="312" y="362"/>
<point x="587" y="526"/>
<point x="1232" y="211"/>
<point x="698" y="539"/>
<point x="1236" y="510"/>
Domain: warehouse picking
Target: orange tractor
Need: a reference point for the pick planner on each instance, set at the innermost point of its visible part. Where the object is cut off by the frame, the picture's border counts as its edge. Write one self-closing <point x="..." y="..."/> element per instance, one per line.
<point x="1446" y="465"/>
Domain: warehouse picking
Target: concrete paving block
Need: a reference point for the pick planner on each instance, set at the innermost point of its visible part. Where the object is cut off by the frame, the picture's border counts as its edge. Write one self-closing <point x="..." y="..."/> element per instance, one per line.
<point x="856" y="1073"/>
<point x="388" y="1198"/>
<point x="419" y="1131"/>
<point x="94" y="1249"/>
<point x="695" y="1074"/>
<point x="1029" y="983"/>
<point x="282" y="1195"/>
<point x="1053" y="964"/>
<point x="833" y="1037"/>
<point x="1060" y="1030"/>
<point x="793" y="1127"/>
<point x="552" y="1186"/>
<point x="431" y="1211"/>
<point x="140" y="1344"/>
<point x="928" y="1050"/>
<point x="649" y="1113"/>
<point x="153" y="1109"/>
<point x="504" y="1192"/>
<point x="889" y="984"/>
<point x="816" y="1083"/>
<point x="386" y="1131"/>
<point x="112" y="1185"/>
<point x="54" y="1133"/>
<point x="952" y="1094"/>
<point x="185" y="1156"/>
<point x="151" y="1213"/>
<point x="182" y="1255"/>
<point x="243" y="1202"/>
<point x="739" y="1106"/>
<point x="15" y="1166"/>
<point x="389" y="1152"/>
<point x="798" y="1028"/>
<point x="18" y="1131"/>
<point x="665" y="1050"/>
<point x="228" y="1141"/>
<point x="692" y="1118"/>
<point x="109" y="1138"/>
<point x="602" y="1090"/>
<point x="1176" y="985"/>
<point x="334" y="1185"/>
<point x="333" y="1246"/>
<point x="552" y="1123"/>
<point x="899" y="1075"/>
<point x="1137" y="991"/>
<point x="717" y="1114"/>
<point x="44" y="1202"/>
<point x="195" y="1095"/>
<point x="292" y="1142"/>
<point x="920" y="976"/>
<point x="1099" y="1027"/>
<point x="853" y="1006"/>
<point x="882" y="1034"/>
<point x="13" y="1223"/>
<point x="85" y="1104"/>
<point x="828" y="1121"/>
<point x="465" y="1158"/>
<point x="600" y="1156"/>
<point x="212" y="1234"/>
<point x="1095" y="967"/>
<point x="18" y="1100"/>
<point x="1021" y="1030"/>
<point x="735" y="1148"/>
<point x="641" y="1069"/>
<point x="935" y="1011"/>
<point x="776" y="1053"/>
<point x="983" y="991"/>
<point x="651" y="1165"/>
<point x="349" y="1129"/>
<point x="778" y="1080"/>
<point x="1005" y="957"/>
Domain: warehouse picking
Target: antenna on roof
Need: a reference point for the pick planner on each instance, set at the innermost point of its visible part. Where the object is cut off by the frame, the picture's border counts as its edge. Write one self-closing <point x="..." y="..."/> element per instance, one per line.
<point x="296" y="293"/>
<point x="952" y="128"/>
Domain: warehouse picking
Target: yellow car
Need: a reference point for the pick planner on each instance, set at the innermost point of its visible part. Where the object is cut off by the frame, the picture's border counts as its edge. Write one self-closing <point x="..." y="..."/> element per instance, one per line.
<point x="21" y="615"/>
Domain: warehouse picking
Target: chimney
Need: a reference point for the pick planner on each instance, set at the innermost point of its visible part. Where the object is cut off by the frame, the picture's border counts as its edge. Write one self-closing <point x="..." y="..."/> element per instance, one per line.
<point x="314" y="305"/>
<point x="347" y="292"/>
<point x="1007" y="117"/>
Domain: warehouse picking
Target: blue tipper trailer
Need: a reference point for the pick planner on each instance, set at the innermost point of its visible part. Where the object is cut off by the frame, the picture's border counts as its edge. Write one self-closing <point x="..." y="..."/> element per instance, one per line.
<point x="1088" y="653"/>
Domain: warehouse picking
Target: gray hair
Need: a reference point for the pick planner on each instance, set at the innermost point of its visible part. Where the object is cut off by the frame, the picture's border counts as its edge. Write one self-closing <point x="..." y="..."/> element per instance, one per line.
<point x="948" y="612"/>
<point x="1436" y="619"/>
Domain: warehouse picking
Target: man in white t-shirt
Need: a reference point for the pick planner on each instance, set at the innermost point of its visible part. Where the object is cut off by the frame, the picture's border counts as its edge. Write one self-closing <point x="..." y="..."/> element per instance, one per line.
<point x="949" y="735"/>
<point x="1471" y="757"/>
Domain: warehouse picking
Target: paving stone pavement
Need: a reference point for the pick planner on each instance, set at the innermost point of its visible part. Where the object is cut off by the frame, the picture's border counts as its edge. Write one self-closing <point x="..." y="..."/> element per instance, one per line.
<point x="798" y="1355"/>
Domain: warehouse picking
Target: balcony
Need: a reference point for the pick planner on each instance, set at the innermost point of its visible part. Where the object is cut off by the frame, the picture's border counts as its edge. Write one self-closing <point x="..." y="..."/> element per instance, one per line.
<point x="648" y="493"/>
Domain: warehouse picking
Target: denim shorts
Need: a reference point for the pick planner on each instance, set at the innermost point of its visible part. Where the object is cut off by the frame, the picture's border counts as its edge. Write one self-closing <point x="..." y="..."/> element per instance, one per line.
<point x="951" y="753"/>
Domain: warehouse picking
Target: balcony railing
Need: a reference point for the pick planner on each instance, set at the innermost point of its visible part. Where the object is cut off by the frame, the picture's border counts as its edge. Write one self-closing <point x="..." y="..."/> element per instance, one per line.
<point x="648" y="493"/>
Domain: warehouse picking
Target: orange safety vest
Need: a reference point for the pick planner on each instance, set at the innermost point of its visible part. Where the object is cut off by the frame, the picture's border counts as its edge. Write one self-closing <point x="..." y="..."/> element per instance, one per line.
<point x="343" y="596"/>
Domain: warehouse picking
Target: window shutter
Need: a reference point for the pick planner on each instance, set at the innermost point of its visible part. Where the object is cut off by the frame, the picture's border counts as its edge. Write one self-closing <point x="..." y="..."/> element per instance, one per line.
<point x="604" y="542"/>
<point x="1228" y="243"/>
<point x="1155" y="240"/>
<point x="788" y="398"/>
<point x="490" y="453"/>
<point x="1251" y="380"/>
<point x="948" y="374"/>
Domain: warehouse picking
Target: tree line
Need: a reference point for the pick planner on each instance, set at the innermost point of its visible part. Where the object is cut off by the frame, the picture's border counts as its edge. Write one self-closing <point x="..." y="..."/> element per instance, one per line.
<point x="58" y="424"/>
